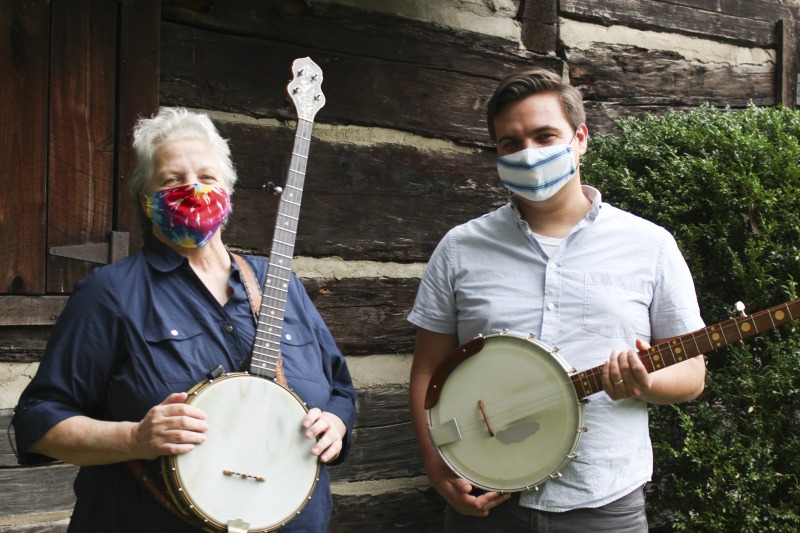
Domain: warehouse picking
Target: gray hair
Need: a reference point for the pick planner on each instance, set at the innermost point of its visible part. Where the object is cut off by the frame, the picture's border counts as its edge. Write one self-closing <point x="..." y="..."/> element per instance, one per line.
<point x="169" y="125"/>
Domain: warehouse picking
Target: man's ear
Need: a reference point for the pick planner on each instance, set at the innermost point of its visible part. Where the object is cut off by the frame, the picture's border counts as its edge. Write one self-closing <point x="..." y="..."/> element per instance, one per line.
<point x="582" y="134"/>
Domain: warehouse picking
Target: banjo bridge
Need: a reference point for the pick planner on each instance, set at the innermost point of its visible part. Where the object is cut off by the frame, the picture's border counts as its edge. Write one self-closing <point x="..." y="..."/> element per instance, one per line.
<point x="244" y="476"/>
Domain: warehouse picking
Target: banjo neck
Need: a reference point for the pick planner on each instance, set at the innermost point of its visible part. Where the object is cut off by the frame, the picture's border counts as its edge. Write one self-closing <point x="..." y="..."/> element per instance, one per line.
<point x="697" y="343"/>
<point x="308" y="99"/>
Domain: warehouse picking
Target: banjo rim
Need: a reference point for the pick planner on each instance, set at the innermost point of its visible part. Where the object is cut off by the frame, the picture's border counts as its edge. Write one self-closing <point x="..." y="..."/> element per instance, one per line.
<point x="570" y="451"/>
<point x="175" y="487"/>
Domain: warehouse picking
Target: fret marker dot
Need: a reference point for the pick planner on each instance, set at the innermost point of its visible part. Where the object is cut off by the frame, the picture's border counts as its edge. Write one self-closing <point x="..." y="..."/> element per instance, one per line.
<point x="657" y="358"/>
<point x="746" y="326"/>
<point x="715" y="336"/>
<point x="779" y="315"/>
<point x="678" y="350"/>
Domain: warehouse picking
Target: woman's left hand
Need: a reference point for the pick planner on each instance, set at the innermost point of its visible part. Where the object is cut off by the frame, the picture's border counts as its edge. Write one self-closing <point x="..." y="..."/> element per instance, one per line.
<point x="328" y="429"/>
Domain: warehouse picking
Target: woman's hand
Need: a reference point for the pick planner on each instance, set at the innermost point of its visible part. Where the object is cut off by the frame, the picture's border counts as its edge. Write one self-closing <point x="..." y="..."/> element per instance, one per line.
<point x="329" y="430"/>
<point x="172" y="427"/>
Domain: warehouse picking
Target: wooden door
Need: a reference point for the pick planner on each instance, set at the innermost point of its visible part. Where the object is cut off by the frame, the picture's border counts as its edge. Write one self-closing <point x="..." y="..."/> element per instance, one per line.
<point x="75" y="76"/>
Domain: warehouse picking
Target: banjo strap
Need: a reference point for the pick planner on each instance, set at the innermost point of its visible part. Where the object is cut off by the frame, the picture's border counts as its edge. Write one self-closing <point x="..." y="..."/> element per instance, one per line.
<point x="150" y="482"/>
<point x="253" y="291"/>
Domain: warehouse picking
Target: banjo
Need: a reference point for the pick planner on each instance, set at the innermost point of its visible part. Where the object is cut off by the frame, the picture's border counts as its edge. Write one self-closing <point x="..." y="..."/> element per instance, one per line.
<point x="518" y="435"/>
<point x="255" y="471"/>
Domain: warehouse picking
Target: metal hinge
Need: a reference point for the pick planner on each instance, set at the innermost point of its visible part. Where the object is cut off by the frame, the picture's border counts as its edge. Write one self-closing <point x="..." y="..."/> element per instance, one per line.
<point x="101" y="252"/>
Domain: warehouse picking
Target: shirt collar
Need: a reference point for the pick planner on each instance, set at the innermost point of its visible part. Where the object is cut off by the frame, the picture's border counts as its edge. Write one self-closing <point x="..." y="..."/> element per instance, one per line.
<point x="591" y="194"/>
<point x="160" y="256"/>
<point x="165" y="259"/>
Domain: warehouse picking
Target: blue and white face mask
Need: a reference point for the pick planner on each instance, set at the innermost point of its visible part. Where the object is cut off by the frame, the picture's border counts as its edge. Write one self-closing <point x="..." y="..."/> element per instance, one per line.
<point x="536" y="174"/>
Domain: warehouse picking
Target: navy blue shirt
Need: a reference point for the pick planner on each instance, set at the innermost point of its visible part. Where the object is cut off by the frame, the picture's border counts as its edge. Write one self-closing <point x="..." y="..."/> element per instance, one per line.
<point x="134" y="332"/>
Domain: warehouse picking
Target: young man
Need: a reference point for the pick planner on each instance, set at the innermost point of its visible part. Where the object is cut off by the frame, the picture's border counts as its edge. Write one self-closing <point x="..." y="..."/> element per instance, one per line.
<point x="580" y="274"/>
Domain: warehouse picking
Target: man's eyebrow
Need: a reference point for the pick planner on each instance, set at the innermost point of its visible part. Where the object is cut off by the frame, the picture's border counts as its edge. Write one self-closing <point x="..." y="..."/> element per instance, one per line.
<point x="537" y="131"/>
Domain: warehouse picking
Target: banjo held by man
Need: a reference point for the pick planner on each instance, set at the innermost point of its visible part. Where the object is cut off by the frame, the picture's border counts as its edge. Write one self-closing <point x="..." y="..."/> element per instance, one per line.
<point x="505" y="412"/>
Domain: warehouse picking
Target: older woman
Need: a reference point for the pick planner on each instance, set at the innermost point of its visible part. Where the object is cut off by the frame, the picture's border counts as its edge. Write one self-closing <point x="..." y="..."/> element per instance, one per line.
<point x="137" y="334"/>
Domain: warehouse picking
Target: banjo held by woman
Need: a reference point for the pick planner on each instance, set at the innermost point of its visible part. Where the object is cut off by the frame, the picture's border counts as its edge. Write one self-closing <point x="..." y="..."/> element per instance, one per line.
<point x="255" y="470"/>
<point x="505" y="412"/>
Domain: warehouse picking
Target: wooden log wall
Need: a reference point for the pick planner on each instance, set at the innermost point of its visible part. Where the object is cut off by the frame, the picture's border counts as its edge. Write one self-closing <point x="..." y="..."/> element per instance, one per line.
<point x="412" y="91"/>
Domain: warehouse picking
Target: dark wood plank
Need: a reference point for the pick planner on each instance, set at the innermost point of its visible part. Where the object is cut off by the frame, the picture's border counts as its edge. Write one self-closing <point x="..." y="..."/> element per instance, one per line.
<point x="247" y="75"/>
<point x="358" y="32"/>
<point x="788" y="65"/>
<point x="138" y="70"/>
<point x="23" y="344"/>
<point x="366" y="316"/>
<point x="632" y="76"/>
<point x="7" y="456"/>
<point x="384" y="445"/>
<point x="360" y="202"/>
<point x="41" y="489"/>
<point x="30" y="310"/>
<point x="757" y="29"/>
<point x="81" y="138"/>
<point x="417" y="510"/>
<point x="24" y="28"/>
<point x="539" y="25"/>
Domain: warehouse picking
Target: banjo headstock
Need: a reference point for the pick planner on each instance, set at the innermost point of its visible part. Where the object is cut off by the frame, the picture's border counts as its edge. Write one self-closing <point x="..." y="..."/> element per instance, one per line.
<point x="305" y="89"/>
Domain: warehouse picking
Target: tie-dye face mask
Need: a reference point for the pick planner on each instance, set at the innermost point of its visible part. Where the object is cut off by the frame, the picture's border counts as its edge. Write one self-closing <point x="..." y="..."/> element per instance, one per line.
<point x="189" y="215"/>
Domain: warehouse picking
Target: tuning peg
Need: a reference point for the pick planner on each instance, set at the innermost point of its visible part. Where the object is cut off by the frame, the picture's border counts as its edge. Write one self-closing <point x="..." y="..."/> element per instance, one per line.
<point x="738" y="309"/>
<point x="271" y="188"/>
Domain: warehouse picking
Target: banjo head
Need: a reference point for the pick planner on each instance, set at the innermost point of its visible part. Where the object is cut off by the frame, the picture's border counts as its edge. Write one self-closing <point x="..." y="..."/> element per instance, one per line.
<point x="255" y="465"/>
<point x="508" y="418"/>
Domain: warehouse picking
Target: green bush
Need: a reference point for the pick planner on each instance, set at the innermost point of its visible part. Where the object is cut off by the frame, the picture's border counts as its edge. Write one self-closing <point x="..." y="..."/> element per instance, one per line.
<point x="726" y="183"/>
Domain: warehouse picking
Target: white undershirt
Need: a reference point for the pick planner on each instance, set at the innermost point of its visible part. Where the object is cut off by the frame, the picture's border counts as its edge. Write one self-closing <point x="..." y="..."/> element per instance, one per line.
<point x="549" y="244"/>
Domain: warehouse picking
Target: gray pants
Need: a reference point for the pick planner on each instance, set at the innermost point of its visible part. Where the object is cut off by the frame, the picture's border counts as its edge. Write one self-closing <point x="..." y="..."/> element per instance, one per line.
<point x="625" y="515"/>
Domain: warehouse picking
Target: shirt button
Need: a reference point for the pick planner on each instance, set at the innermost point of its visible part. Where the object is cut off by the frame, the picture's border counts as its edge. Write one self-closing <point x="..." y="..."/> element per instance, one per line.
<point x="551" y="306"/>
<point x="174" y="332"/>
<point x="229" y="328"/>
<point x="288" y="337"/>
<point x="552" y="265"/>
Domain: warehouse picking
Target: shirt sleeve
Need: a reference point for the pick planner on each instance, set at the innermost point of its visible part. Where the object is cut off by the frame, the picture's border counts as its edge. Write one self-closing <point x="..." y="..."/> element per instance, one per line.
<point x="674" y="310"/>
<point x="435" y="305"/>
<point x="342" y="399"/>
<point x="78" y="359"/>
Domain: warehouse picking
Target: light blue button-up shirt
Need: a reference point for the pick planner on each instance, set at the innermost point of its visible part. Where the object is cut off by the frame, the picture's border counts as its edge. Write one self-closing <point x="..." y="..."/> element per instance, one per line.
<point x="613" y="279"/>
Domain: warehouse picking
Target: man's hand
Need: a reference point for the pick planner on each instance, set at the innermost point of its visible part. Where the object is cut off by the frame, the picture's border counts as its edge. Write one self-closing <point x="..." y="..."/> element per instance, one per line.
<point x="624" y="375"/>
<point x="456" y="491"/>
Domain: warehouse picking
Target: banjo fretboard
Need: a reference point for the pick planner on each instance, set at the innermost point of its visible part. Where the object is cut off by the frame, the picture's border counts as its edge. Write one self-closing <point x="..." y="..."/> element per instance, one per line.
<point x="308" y="99"/>
<point x="696" y="343"/>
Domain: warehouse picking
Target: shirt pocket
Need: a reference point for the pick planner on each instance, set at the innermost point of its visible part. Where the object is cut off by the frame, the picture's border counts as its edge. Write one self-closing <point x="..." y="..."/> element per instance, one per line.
<point x="616" y="306"/>
<point x="302" y="364"/>
<point x="178" y="350"/>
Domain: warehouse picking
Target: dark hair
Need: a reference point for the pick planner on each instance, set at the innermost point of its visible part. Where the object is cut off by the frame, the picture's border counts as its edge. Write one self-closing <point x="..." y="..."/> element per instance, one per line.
<point x="528" y="82"/>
